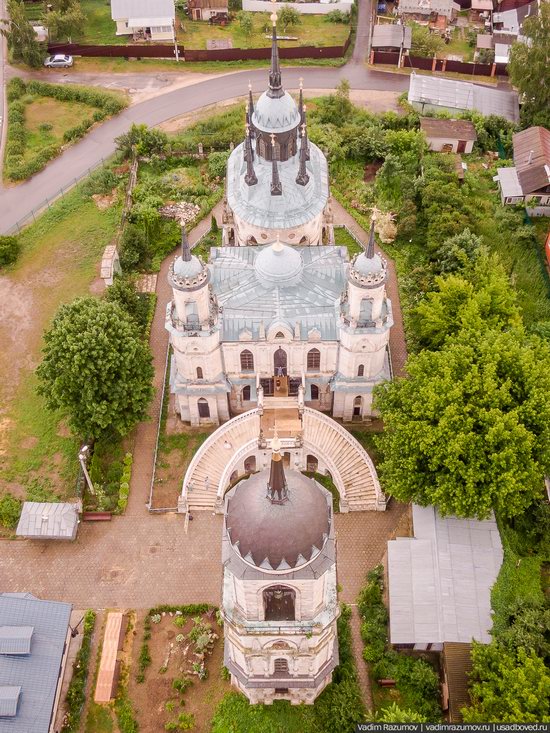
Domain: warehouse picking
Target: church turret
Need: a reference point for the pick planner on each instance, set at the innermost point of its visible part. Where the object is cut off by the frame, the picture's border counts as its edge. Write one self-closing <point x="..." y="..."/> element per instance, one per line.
<point x="188" y="278"/>
<point x="302" y="178"/>
<point x="250" y="177"/>
<point x="276" y="185"/>
<point x="275" y="90"/>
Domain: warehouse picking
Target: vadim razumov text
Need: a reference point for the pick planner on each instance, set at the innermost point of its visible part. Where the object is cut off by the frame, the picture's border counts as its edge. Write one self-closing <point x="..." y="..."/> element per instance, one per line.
<point x="452" y="727"/>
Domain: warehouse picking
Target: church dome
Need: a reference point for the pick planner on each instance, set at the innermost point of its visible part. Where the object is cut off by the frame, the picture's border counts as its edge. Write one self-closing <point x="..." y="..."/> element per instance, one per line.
<point x="188" y="268"/>
<point x="276" y="114"/>
<point x="278" y="265"/>
<point x="368" y="265"/>
<point x="278" y="536"/>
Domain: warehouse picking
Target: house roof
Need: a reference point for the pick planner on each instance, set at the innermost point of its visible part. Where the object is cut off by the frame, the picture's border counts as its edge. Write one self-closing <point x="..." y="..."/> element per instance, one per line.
<point x="15" y="639"/>
<point x="482" y="4"/>
<point x="9" y="697"/>
<point x="484" y="40"/>
<point x="463" y="95"/>
<point x="512" y="20"/>
<point x="440" y="580"/>
<point x="456" y="129"/>
<point x="509" y="182"/>
<point x="457" y="661"/>
<point x="208" y="4"/>
<point x="532" y="158"/>
<point x="48" y="520"/>
<point x="391" y="35"/>
<point x="427" y="7"/>
<point x="123" y="9"/>
<point x="35" y="674"/>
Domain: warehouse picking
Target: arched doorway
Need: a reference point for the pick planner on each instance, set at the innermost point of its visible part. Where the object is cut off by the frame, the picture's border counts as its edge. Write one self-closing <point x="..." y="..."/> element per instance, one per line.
<point x="250" y="464"/>
<point x="286" y="459"/>
<point x="357" y="404"/>
<point x="280" y="363"/>
<point x="312" y="463"/>
<point x="204" y="408"/>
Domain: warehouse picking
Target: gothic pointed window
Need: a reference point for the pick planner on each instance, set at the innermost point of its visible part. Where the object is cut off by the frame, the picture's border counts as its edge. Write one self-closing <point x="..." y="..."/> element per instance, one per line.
<point x="247" y="361"/>
<point x="199" y="373"/>
<point x="314" y="392"/>
<point x="246" y="393"/>
<point x="280" y="667"/>
<point x="191" y="313"/>
<point x="361" y="370"/>
<point x="313" y="360"/>
<point x="279" y="335"/>
<point x="279" y="603"/>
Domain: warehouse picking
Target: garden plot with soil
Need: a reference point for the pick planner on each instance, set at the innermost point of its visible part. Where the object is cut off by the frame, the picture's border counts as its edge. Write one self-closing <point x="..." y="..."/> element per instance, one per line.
<point x="182" y="681"/>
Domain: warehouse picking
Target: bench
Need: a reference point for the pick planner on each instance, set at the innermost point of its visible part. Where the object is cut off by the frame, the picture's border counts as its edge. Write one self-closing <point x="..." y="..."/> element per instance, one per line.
<point x="96" y="517"/>
<point x="386" y="683"/>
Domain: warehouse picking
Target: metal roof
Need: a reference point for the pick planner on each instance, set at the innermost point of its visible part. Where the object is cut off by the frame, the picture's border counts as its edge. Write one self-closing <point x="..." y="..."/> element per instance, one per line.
<point x="484" y="40"/>
<point x="456" y="129"/>
<point x="48" y="521"/>
<point x="15" y="639"/>
<point x="248" y="301"/>
<point x="509" y="182"/>
<point x="36" y="673"/>
<point x="463" y="95"/>
<point x="391" y="36"/>
<point x="532" y="158"/>
<point x="440" y="580"/>
<point x="9" y="697"/>
<point x="123" y="9"/>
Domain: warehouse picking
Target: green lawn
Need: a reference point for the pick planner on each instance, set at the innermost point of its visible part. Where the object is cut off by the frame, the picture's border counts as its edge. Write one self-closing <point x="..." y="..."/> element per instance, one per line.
<point x="47" y="119"/>
<point x="100" y="27"/>
<point x="59" y="261"/>
<point x="459" y="45"/>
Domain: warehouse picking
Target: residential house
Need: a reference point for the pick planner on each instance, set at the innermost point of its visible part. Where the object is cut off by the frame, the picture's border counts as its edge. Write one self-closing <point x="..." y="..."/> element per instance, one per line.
<point x="434" y="94"/>
<point x="34" y="644"/>
<point x="208" y="9"/>
<point x="440" y="581"/>
<point x="391" y="37"/>
<point x="152" y="20"/>
<point x="48" y="521"/>
<point x="449" y="136"/>
<point x="485" y="47"/>
<point x="480" y="10"/>
<point x="528" y="182"/>
<point x="423" y="9"/>
<point x="507" y="29"/>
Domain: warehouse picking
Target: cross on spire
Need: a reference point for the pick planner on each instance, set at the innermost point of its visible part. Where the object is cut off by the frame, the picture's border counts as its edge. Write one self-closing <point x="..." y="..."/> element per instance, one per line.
<point x="275" y="90"/>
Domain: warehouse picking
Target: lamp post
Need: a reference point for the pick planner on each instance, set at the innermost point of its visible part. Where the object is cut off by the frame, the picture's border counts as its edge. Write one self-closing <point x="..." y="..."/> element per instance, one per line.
<point x="82" y="456"/>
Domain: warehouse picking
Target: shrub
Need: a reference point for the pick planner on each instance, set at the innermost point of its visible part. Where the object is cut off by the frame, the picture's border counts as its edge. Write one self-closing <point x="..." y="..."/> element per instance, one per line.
<point x="182" y="684"/>
<point x="10" y="510"/>
<point x="217" y="163"/>
<point x="76" y="694"/>
<point x="101" y="181"/>
<point x="9" y="249"/>
<point x="144" y="661"/>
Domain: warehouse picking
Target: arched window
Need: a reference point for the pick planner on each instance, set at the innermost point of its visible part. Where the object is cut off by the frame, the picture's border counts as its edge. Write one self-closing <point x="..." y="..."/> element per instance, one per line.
<point x="199" y="373"/>
<point x="361" y="370"/>
<point x="303" y="240"/>
<point x="279" y="603"/>
<point x="312" y="463"/>
<point x="252" y="240"/>
<point x="279" y="335"/>
<point x="313" y="360"/>
<point x="246" y="393"/>
<point x="314" y="392"/>
<point x="357" y="404"/>
<point x="250" y="464"/>
<point x="247" y="361"/>
<point x="204" y="408"/>
<point x="280" y="666"/>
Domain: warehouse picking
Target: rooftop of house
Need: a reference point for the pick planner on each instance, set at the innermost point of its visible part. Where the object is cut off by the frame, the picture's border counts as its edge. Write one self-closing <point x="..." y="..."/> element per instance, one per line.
<point x="152" y="9"/>
<point x="29" y="671"/>
<point x="391" y="35"/>
<point x="484" y="40"/>
<point x="440" y="580"/>
<point x="532" y="158"/>
<point x="455" y="129"/>
<point x="48" y="520"/>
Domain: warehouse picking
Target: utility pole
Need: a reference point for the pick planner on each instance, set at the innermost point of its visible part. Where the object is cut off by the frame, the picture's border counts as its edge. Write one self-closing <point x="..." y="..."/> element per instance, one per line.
<point x="82" y="456"/>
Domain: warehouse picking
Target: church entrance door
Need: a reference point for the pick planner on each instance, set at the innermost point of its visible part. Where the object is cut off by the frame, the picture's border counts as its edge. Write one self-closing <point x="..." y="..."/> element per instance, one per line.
<point x="280" y="363"/>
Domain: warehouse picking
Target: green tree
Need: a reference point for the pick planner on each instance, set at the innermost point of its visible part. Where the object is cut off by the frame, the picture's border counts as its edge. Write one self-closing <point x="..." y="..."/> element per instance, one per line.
<point x="395" y="714"/>
<point x="9" y="249"/>
<point x="145" y="140"/>
<point x="289" y="17"/>
<point x="424" y="42"/>
<point x="10" y="510"/>
<point x="480" y="298"/>
<point x="96" y="368"/>
<point x="65" y="21"/>
<point x="22" y="41"/>
<point x="245" y="22"/>
<point x="123" y="292"/>
<point x="529" y="627"/>
<point x="529" y="68"/>
<point x="469" y="429"/>
<point x="507" y="687"/>
<point x="458" y="252"/>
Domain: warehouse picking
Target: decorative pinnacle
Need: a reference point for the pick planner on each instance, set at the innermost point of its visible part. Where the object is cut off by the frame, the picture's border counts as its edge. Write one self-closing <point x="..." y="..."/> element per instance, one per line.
<point x="277" y="490"/>
<point x="185" y="248"/>
<point x="276" y="185"/>
<point x="275" y="90"/>
<point x="303" y="177"/>
<point x="305" y="140"/>
<point x="250" y="178"/>
<point x="370" y="245"/>
<point x="277" y="247"/>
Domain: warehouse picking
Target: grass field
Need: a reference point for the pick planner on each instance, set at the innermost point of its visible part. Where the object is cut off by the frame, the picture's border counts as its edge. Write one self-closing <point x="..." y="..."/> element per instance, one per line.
<point x="459" y="45"/>
<point x="47" y="119"/>
<point x="59" y="262"/>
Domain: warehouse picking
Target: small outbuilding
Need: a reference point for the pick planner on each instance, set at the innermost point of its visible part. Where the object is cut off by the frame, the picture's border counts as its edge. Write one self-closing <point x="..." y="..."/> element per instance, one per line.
<point x="150" y="20"/>
<point x="449" y="136"/>
<point x="529" y="180"/>
<point x="214" y="10"/>
<point x="391" y="37"/>
<point x="48" y="521"/>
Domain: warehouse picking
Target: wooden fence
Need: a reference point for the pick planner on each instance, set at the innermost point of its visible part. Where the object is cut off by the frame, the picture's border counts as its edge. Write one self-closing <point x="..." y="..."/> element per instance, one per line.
<point x="160" y="51"/>
<point x="432" y="64"/>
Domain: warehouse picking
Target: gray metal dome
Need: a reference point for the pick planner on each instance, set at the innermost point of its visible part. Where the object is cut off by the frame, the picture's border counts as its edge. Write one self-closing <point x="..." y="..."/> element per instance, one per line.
<point x="278" y="265"/>
<point x="278" y="536"/>
<point x="368" y="265"/>
<point x="276" y="115"/>
<point x="187" y="268"/>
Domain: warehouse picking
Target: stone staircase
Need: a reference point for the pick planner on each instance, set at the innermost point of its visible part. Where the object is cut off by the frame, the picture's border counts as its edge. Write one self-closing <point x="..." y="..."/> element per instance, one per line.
<point x="350" y="465"/>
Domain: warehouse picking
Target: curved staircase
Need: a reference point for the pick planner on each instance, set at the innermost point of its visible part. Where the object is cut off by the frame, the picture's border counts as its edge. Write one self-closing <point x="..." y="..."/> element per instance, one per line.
<point x="351" y="467"/>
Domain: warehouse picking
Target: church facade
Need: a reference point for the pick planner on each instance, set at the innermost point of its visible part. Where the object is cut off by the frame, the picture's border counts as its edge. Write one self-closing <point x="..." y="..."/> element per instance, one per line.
<point x="279" y="307"/>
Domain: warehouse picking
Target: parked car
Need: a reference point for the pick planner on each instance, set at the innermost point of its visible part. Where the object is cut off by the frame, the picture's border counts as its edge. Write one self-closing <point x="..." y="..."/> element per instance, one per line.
<point x="58" y="61"/>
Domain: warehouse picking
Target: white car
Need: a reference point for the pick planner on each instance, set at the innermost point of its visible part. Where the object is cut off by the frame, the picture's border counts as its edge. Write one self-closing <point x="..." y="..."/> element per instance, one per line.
<point x="58" y="61"/>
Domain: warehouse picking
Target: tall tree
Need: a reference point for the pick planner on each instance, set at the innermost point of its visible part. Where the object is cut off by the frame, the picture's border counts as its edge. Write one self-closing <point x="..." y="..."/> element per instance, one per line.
<point x="65" y="20"/>
<point x="96" y="368"/>
<point x="22" y="41"/>
<point x="529" y="68"/>
<point x="289" y="17"/>
<point x="508" y="687"/>
<point x="469" y="429"/>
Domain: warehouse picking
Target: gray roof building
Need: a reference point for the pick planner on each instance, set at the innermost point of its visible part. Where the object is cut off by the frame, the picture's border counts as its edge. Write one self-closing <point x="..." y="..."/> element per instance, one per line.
<point x="392" y="36"/>
<point x="146" y="9"/>
<point x="33" y="635"/>
<point x="48" y="521"/>
<point x="440" y="580"/>
<point x="436" y="93"/>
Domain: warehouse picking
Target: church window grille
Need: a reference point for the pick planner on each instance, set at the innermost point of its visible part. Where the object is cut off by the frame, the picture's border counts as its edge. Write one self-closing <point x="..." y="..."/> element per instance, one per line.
<point x="247" y="361"/>
<point x="313" y="360"/>
<point x="280" y="666"/>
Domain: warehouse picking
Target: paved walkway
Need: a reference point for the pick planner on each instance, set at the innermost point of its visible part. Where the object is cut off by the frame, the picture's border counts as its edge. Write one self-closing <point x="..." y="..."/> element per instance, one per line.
<point x="362" y="32"/>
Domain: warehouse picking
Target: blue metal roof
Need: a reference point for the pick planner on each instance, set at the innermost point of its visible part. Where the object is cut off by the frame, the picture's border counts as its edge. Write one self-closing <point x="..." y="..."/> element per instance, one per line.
<point x="15" y="639"/>
<point x="36" y="673"/>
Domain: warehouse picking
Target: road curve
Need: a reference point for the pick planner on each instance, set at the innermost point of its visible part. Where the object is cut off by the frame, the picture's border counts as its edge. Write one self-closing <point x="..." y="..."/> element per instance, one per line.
<point x="19" y="202"/>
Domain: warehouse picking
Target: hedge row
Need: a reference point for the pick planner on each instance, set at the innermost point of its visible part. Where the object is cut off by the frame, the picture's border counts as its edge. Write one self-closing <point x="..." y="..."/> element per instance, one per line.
<point x="16" y="168"/>
<point x="76" y="694"/>
<point x="124" y="490"/>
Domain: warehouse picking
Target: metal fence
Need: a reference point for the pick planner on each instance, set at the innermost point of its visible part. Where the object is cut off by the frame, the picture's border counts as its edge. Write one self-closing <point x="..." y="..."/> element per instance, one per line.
<point x="47" y="202"/>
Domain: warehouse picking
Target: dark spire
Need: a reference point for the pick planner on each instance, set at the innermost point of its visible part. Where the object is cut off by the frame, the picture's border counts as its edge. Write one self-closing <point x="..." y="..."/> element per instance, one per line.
<point x="301" y="102"/>
<point x="248" y="149"/>
<point x="250" y="100"/>
<point x="185" y="248"/>
<point x="304" y="127"/>
<point x="276" y="185"/>
<point x="302" y="178"/>
<point x="275" y="83"/>
<point x="277" y="489"/>
<point x="370" y="245"/>
<point x="250" y="178"/>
